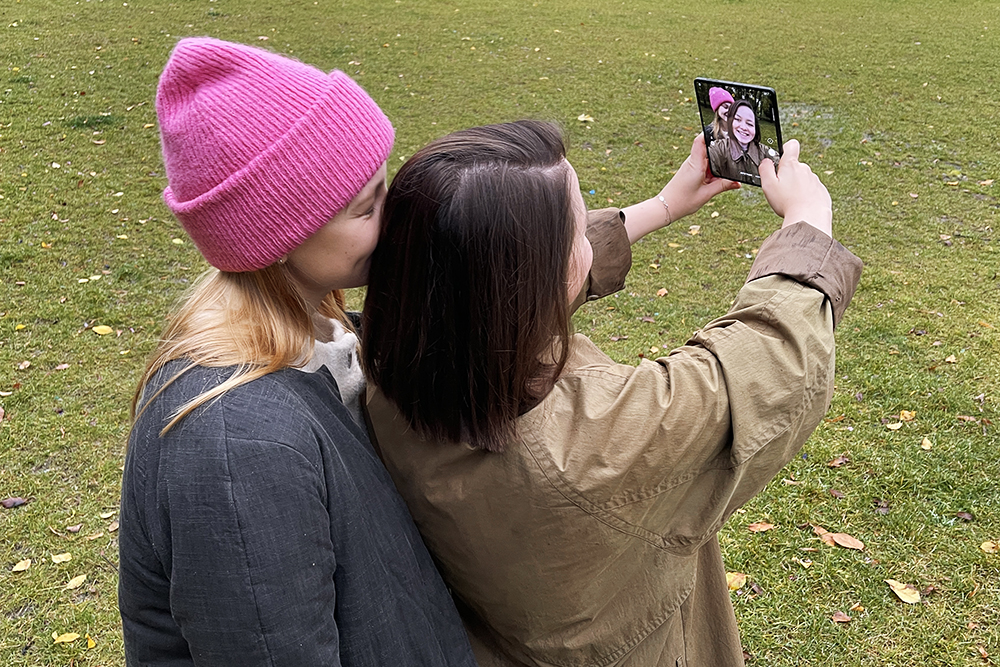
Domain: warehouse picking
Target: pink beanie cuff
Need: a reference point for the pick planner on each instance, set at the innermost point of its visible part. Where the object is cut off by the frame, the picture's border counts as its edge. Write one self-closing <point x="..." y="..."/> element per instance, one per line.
<point x="261" y="150"/>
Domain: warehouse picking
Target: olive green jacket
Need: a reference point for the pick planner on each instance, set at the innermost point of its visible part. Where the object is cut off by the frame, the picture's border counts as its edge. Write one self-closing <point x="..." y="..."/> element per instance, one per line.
<point x="592" y="539"/>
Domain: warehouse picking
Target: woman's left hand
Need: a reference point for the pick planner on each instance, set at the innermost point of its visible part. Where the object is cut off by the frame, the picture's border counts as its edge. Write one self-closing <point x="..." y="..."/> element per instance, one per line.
<point x="690" y="188"/>
<point x="693" y="184"/>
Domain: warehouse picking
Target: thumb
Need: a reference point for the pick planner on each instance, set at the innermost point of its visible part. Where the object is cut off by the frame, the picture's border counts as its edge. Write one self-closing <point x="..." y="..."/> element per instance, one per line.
<point x="767" y="175"/>
<point x="791" y="150"/>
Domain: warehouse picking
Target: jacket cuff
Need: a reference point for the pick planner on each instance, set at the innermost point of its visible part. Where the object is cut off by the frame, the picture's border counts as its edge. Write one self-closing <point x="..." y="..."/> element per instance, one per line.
<point x="612" y="252"/>
<point x="805" y="254"/>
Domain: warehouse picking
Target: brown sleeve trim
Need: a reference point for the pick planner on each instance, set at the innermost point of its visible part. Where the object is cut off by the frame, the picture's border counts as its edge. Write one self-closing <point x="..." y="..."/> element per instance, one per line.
<point x="805" y="254"/>
<point x="612" y="252"/>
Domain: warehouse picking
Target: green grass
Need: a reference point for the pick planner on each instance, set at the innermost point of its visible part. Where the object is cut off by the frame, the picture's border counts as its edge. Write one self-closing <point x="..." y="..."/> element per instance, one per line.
<point x="889" y="99"/>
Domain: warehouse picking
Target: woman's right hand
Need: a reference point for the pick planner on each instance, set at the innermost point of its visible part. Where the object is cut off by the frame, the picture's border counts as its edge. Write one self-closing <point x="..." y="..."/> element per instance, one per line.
<point x="795" y="192"/>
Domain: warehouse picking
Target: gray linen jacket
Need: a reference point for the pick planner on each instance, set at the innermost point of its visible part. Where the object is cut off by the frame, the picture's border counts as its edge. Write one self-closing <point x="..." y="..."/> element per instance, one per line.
<point x="591" y="541"/>
<point x="263" y="530"/>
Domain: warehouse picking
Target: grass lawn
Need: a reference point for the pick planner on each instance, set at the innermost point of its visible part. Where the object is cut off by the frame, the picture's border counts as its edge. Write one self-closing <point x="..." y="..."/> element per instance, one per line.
<point x="896" y="107"/>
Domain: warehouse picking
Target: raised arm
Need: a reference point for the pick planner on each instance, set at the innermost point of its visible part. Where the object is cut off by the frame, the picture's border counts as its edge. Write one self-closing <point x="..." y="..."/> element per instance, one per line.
<point x="690" y="188"/>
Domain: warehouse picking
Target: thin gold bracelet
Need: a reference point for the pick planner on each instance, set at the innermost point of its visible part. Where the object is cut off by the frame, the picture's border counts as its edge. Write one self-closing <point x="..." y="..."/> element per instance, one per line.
<point x="666" y="206"/>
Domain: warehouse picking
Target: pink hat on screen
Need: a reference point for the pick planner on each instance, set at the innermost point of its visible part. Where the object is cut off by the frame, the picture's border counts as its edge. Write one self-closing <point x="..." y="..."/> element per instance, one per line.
<point x="718" y="96"/>
<point x="261" y="150"/>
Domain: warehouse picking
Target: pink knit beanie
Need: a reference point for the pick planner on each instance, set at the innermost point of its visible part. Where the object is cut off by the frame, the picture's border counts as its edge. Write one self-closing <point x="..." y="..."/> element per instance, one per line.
<point x="261" y="150"/>
<point x="718" y="96"/>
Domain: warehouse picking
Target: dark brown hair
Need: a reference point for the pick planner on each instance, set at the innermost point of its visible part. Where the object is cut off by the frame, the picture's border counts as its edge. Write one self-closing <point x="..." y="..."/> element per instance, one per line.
<point x="466" y="320"/>
<point x="732" y="114"/>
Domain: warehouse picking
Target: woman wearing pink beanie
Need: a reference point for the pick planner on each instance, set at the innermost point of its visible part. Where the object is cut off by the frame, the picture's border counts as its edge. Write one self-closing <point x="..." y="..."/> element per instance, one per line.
<point x="258" y="526"/>
<point x="720" y="99"/>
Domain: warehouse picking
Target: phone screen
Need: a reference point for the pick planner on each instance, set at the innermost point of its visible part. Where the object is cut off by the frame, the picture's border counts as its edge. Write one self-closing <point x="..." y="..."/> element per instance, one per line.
<point x="741" y="126"/>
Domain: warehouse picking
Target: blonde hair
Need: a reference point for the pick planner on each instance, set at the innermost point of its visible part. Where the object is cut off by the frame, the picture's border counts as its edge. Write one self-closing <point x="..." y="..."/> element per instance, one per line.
<point x="255" y="321"/>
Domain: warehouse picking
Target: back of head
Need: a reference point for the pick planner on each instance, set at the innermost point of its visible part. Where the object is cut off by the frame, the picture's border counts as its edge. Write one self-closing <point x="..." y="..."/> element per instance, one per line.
<point x="466" y="318"/>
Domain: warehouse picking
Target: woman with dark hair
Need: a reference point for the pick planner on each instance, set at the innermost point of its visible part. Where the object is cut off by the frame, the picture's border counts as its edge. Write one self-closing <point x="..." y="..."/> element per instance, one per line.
<point x="738" y="153"/>
<point x="572" y="502"/>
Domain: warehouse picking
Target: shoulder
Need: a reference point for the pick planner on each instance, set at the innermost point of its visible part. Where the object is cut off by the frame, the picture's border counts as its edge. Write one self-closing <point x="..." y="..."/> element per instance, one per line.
<point x="288" y="408"/>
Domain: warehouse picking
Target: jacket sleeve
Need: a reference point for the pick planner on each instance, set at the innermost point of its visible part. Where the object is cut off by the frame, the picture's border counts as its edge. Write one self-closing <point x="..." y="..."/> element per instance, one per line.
<point x="678" y="444"/>
<point x="252" y="557"/>
<point x="612" y="255"/>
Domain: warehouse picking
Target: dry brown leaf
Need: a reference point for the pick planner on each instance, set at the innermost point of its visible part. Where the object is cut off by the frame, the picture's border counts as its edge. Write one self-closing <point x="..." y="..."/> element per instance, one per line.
<point x="951" y="359"/>
<point x="113" y="526"/>
<point x="91" y="538"/>
<point x="735" y="580"/>
<point x="894" y="427"/>
<point x="62" y="367"/>
<point x="840" y="617"/>
<point x="838" y="494"/>
<point x="819" y="530"/>
<point x="828" y="539"/>
<point x="74" y="529"/>
<point x="661" y="292"/>
<point x="21" y="565"/>
<point x="841" y="460"/>
<point x="848" y="541"/>
<point x="108" y="514"/>
<point x="61" y="558"/>
<point x="10" y="503"/>
<point x="76" y="582"/>
<point x="905" y="592"/>
<point x="760" y="526"/>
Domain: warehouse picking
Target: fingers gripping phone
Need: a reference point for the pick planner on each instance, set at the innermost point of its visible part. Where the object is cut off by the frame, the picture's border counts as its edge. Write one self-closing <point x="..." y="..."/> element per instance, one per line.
<point x="741" y="127"/>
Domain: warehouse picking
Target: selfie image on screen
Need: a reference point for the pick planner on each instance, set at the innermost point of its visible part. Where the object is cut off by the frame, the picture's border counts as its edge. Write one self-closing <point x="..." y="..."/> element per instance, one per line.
<point x="741" y="128"/>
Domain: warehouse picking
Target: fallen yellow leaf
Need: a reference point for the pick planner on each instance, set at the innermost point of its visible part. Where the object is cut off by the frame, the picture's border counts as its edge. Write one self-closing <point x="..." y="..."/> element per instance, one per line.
<point x="894" y="427"/>
<point x="760" y="526"/>
<point x="661" y="292"/>
<point x="65" y="638"/>
<point x="926" y="444"/>
<point x="62" y="558"/>
<point x="735" y="580"/>
<point x="694" y="230"/>
<point x="90" y="642"/>
<point x="673" y="245"/>
<point x="113" y="526"/>
<point x="804" y="562"/>
<point x="21" y="565"/>
<point x="907" y="415"/>
<point x="102" y="330"/>
<point x="848" y="541"/>
<point x="108" y="514"/>
<point x="715" y="214"/>
<point x="76" y="582"/>
<point x="584" y="118"/>
<point x="904" y="592"/>
<point x="951" y="359"/>
<point x="990" y="547"/>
